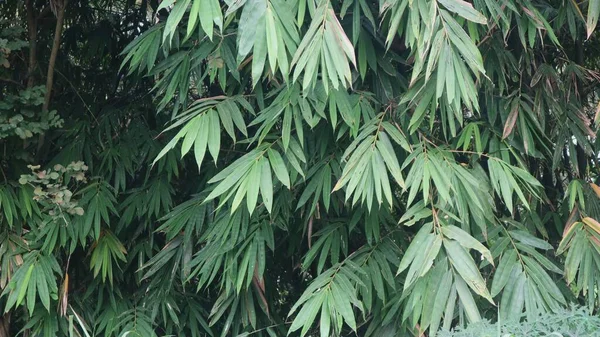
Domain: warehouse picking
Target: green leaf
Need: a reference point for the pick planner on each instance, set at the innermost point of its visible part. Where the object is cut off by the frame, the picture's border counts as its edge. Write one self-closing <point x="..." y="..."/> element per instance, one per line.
<point x="325" y="321"/>
<point x="278" y="167"/>
<point x="342" y="305"/>
<point x="416" y="247"/>
<point x="247" y="28"/>
<point x="463" y="263"/>
<point x="441" y="298"/>
<point x="528" y="239"/>
<point x="253" y="182"/>
<point x="424" y="260"/>
<point x="467" y="300"/>
<point x="503" y="272"/>
<point x="271" y="38"/>
<point x="464" y="9"/>
<point x="174" y="18"/>
<point x="307" y="314"/>
<point x="467" y="241"/>
<point x="592" y="16"/>
<point x="266" y="184"/>
<point x="24" y="284"/>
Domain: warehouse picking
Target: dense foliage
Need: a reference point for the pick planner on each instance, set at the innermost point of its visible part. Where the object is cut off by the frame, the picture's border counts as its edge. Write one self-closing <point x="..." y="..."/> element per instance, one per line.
<point x="302" y="167"/>
<point x="573" y="322"/>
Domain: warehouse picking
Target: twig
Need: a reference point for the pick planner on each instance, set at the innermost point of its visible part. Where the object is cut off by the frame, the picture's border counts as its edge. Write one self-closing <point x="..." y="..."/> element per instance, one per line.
<point x="8" y="80"/>
<point x="4" y="174"/>
<point x="491" y="30"/>
<point x="79" y="95"/>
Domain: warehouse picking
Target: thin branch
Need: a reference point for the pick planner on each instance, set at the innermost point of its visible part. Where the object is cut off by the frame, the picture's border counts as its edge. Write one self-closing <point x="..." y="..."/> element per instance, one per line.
<point x="8" y="80"/>
<point x="4" y="174"/>
<point x="87" y="107"/>
<point x="310" y="230"/>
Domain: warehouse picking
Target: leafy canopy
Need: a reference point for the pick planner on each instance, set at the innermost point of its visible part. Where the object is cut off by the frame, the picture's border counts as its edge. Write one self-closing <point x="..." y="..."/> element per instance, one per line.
<point x="296" y="167"/>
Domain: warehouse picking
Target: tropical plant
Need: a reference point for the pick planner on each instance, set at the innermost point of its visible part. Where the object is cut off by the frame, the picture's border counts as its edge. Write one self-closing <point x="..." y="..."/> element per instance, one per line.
<point x="296" y="167"/>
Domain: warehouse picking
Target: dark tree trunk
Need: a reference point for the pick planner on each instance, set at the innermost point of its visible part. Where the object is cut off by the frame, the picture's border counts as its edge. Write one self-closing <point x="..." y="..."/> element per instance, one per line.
<point x="60" y="18"/>
<point x="32" y="32"/>
<point x="4" y="325"/>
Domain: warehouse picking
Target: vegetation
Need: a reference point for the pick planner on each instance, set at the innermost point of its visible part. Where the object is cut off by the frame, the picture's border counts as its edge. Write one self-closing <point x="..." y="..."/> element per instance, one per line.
<point x="572" y="322"/>
<point x="296" y="167"/>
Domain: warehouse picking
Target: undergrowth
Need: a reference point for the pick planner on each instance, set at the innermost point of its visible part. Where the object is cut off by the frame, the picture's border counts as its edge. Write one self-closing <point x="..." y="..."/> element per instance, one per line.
<point x="573" y="322"/>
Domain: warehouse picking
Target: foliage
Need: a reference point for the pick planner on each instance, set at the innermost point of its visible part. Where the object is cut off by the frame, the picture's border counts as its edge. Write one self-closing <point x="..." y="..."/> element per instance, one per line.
<point x="565" y="322"/>
<point x="51" y="188"/>
<point x="297" y="167"/>
<point x="10" y="42"/>
<point x="20" y="112"/>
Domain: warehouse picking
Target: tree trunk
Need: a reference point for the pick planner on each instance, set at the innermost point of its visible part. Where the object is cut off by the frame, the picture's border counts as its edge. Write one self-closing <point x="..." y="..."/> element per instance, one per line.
<point x="4" y="325"/>
<point x="60" y="18"/>
<point x="32" y="30"/>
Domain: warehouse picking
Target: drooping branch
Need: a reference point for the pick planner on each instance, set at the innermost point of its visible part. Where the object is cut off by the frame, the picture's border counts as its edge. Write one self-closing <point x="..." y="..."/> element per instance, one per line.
<point x="11" y="81"/>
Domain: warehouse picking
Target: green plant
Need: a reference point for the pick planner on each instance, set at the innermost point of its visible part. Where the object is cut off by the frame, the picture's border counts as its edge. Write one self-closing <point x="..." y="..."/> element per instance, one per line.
<point x="297" y="167"/>
<point x="572" y="322"/>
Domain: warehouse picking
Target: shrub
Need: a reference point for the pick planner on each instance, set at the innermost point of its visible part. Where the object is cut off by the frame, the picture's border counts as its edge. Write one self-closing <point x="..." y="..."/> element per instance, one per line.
<point x="573" y="322"/>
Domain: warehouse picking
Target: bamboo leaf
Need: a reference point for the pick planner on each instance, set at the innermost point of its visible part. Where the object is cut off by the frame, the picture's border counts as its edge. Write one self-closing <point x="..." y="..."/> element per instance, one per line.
<point x="463" y="263"/>
<point x="464" y="9"/>
<point x="467" y="241"/>
<point x="266" y="184"/>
